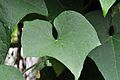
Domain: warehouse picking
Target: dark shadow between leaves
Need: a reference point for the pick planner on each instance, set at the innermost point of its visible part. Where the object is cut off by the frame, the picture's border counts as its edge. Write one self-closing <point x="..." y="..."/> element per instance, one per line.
<point x="90" y="71"/>
<point x="33" y="16"/>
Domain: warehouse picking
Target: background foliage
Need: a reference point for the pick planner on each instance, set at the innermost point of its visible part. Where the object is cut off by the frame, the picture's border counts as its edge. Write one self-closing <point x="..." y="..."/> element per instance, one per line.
<point x="80" y="38"/>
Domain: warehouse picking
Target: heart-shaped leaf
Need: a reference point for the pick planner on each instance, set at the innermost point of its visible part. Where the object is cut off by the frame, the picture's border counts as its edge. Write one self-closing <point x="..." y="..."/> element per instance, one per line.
<point x="76" y="38"/>
<point x="12" y="11"/>
<point x="106" y="4"/>
<point x="4" y="40"/>
<point x="107" y="56"/>
<point x="10" y="73"/>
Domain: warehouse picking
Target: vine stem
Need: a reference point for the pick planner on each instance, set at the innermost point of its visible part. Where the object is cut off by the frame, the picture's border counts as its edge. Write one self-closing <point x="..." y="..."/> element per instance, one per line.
<point x="29" y="68"/>
<point x="40" y="61"/>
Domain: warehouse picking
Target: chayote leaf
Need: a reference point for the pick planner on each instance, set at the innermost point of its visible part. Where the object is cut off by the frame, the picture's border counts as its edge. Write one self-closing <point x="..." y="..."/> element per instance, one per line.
<point x="76" y="38"/>
<point x="107" y="56"/>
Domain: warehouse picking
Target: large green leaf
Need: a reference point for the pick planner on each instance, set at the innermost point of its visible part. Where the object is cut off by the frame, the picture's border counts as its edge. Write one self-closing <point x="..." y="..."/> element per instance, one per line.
<point x="76" y="38"/>
<point x="12" y="11"/>
<point x="4" y="40"/>
<point x="106" y="56"/>
<point x="10" y="73"/>
<point x="106" y="4"/>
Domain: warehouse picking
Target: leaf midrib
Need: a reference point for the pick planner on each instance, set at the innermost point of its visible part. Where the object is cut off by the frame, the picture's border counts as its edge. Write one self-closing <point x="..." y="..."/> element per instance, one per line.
<point x="113" y="48"/>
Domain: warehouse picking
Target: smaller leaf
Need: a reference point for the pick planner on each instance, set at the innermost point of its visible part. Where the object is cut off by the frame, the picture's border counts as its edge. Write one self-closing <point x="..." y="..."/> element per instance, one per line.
<point x="106" y="56"/>
<point x="10" y="73"/>
<point x="106" y="4"/>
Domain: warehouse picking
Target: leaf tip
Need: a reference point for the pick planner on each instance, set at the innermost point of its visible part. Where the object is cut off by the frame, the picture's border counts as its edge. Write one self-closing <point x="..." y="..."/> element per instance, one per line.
<point x="104" y="13"/>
